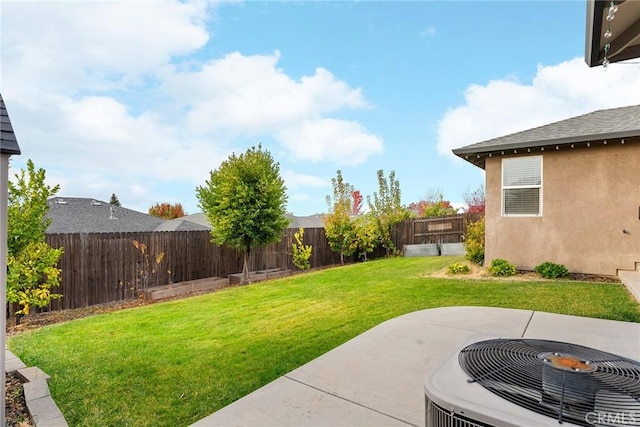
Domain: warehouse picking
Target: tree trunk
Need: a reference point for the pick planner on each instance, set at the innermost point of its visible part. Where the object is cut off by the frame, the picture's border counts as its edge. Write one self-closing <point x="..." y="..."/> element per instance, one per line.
<point x="245" y="267"/>
<point x="13" y="319"/>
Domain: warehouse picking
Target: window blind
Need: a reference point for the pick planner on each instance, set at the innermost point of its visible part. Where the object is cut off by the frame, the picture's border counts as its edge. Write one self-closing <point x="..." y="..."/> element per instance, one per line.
<point x="522" y="171"/>
<point x="522" y="185"/>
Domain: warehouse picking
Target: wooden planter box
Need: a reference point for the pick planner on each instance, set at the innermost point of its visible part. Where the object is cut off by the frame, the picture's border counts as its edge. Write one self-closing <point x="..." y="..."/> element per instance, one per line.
<point x="259" y="276"/>
<point x="175" y="289"/>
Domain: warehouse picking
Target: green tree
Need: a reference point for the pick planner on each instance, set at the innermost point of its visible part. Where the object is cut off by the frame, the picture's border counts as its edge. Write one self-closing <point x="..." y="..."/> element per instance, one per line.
<point x="366" y="235"/>
<point x="114" y="200"/>
<point x="27" y="209"/>
<point x="31" y="263"/>
<point x="338" y="226"/>
<point x="387" y="209"/>
<point x="32" y="273"/>
<point x="244" y="200"/>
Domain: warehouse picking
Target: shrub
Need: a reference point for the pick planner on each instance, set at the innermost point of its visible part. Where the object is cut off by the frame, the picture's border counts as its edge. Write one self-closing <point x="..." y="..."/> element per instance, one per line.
<point x="32" y="273"/>
<point x="550" y="270"/>
<point x="301" y="252"/>
<point x="457" y="268"/>
<point x="474" y="242"/>
<point x="501" y="267"/>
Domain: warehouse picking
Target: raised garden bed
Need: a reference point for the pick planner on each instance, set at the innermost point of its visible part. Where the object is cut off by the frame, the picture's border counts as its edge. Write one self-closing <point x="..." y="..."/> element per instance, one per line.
<point x="260" y="275"/>
<point x="424" y="249"/>
<point x="449" y="249"/>
<point x="175" y="289"/>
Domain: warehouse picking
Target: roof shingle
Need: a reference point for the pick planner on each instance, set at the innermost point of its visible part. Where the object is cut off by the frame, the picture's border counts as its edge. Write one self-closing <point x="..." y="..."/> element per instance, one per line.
<point x="82" y="215"/>
<point x="8" y="140"/>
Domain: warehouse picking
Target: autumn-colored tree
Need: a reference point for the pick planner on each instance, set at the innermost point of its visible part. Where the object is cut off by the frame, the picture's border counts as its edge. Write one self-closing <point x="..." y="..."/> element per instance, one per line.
<point x="475" y="200"/>
<point x="338" y="227"/>
<point x="167" y="210"/>
<point x="147" y="271"/>
<point x="387" y="209"/>
<point x="433" y="205"/>
<point x="356" y="203"/>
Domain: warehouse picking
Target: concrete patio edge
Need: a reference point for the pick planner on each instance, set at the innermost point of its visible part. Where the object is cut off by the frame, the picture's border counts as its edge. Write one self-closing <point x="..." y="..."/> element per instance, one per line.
<point x="377" y="378"/>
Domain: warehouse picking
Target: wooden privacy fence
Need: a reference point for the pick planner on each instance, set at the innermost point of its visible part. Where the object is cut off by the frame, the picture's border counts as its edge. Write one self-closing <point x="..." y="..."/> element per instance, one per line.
<point x="99" y="268"/>
<point x="445" y="229"/>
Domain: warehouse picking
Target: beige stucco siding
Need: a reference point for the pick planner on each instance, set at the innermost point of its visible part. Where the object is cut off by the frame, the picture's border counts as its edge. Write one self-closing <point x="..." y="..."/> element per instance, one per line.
<point x="589" y="196"/>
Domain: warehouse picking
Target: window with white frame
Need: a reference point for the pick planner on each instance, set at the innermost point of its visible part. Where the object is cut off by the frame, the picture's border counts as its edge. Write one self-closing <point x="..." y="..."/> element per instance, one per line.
<point x="522" y="186"/>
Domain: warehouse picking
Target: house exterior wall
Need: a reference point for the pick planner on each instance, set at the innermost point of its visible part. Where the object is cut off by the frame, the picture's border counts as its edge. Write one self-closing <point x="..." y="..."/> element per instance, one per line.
<point x="589" y="196"/>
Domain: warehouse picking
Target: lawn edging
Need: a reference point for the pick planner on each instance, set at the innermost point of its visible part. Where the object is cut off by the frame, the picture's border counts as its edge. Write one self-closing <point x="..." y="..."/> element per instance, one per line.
<point x="41" y="406"/>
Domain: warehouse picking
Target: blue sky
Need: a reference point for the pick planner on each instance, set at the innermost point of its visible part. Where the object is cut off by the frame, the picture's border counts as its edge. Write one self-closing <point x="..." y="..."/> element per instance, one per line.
<point x="144" y="98"/>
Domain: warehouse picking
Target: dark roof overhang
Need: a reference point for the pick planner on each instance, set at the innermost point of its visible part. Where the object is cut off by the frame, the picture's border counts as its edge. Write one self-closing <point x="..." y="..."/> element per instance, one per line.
<point x="624" y="42"/>
<point x="8" y="141"/>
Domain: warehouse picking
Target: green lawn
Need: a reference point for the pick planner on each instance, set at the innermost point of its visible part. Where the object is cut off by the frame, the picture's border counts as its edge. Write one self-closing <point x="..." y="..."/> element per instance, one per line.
<point x="173" y="363"/>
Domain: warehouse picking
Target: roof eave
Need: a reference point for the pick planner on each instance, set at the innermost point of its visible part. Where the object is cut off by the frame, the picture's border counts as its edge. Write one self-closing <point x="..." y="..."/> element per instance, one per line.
<point x="9" y="151"/>
<point x="477" y="155"/>
<point x="593" y="31"/>
<point x="8" y="141"/>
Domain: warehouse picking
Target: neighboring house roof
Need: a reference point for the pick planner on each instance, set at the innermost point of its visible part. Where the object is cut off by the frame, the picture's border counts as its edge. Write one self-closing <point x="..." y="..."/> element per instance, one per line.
<point x="198" y="218"/>
<point x="311" y="221"/>
<point x="602" y="125"/>
<point x="82" y="215"/>
<point x="8" y="140"/>
<point x="182" y="224"/>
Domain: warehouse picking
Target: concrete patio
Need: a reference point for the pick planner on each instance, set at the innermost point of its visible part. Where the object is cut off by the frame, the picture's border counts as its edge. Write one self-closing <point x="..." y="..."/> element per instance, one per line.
<point x="377" y="378"/>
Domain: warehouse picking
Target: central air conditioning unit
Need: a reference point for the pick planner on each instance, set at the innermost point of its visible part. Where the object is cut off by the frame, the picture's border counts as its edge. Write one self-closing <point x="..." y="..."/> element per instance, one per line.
<point x="528" y="382"/>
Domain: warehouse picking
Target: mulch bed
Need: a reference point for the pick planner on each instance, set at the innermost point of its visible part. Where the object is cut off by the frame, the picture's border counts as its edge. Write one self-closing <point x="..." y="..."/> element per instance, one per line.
<point x="16" y="412"/>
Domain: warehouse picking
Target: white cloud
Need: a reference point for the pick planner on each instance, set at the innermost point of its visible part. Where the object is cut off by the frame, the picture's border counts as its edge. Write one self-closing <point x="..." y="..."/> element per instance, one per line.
<point x="75" y="46"/>
<point x="250" y="95"/>
<point x="338" y="141"/>
<point x="298" y="180"/>
<point x="557" y="92"/>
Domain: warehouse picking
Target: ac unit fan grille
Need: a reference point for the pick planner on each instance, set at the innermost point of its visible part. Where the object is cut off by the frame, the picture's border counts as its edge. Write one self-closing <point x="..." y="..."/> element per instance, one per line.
<point x="565" y="381"/>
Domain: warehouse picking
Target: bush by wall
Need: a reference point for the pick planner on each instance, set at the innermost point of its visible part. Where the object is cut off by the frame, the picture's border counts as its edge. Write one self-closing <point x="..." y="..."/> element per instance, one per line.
<point x="550" y="270"/>
<point x="501" y="267"/>
<point x="474" y="242"/>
